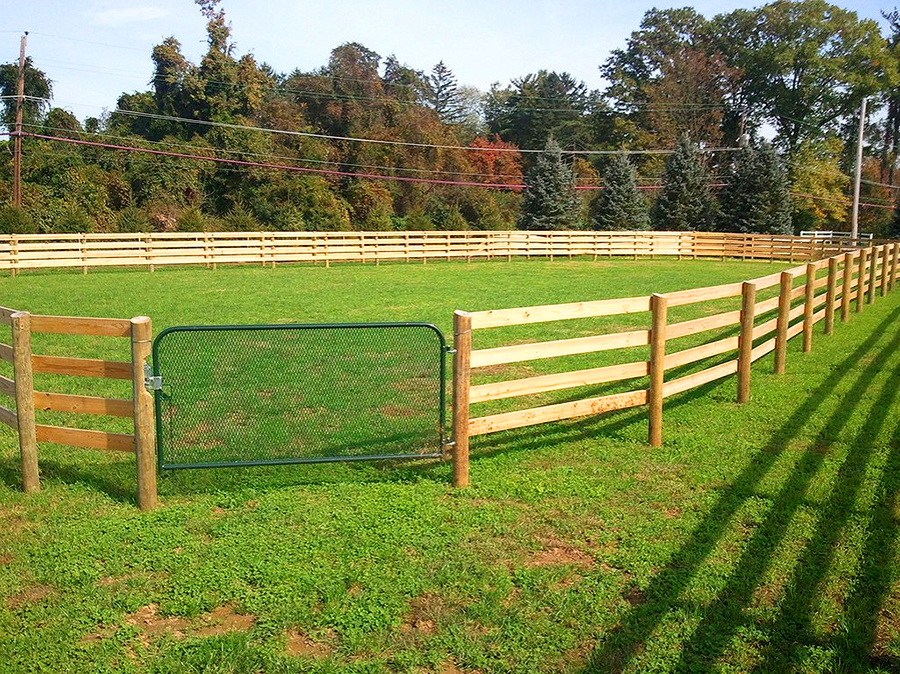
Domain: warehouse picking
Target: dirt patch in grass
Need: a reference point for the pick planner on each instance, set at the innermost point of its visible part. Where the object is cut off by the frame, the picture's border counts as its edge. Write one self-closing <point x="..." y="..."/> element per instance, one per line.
<point x="145" y="576"/>
<point x="300" y="645"/>
<point x="561" y="555"/>
<point x="151" y="625"/>
<point x="635" y="596"/>
<point x="576" y="659"/>
<point x="30" y="595"/>
<point x="6" y="560"/>
<point x="223" y="620"/>
<point x="557" y="552"/>
<point x="426" y="613"/>
<point x="450" y="667"/>
<point x="14" y="523"/>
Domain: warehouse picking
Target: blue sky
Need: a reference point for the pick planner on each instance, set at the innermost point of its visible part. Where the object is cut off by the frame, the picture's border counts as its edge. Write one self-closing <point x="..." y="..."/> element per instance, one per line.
<point x="93" y="50"/>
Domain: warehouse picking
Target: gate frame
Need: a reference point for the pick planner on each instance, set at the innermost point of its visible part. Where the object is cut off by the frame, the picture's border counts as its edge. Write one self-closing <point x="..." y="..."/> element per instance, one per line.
<point x="445" y="437"/>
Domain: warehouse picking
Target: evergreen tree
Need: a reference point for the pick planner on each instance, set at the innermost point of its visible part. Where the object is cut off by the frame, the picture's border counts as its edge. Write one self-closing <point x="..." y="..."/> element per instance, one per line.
<point x="619" y="205"/>
<point x="445" y="99"/>
<point x="756" y="198"/>
<point x="550" y="201"/>
<point x="686" y="203"/>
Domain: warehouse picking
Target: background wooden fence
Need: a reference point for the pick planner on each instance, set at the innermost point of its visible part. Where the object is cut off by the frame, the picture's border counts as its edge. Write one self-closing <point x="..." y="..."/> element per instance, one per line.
<point x="21" y="252"/>
<point x="807" y="294"/>
<point x="139" y="407"/>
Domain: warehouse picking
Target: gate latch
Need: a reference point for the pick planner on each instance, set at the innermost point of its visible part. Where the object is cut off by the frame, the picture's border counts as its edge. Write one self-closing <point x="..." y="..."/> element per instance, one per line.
<point x="151" y="383"/>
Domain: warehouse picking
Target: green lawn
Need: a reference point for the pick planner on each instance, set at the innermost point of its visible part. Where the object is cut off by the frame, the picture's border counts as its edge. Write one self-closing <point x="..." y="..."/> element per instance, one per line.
<point x="760" y="537"/>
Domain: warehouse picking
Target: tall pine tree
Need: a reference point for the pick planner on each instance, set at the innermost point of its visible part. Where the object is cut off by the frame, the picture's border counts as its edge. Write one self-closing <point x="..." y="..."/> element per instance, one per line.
<point x="445" y="99"/>
<point x="756" y="198"/>
<point x="619" y="205"/>
<point x="686" y="203"/>
<point x="550" y="201"/>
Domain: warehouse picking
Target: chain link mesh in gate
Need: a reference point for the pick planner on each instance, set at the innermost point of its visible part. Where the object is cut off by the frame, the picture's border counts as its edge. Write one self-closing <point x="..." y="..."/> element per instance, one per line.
<point x="255" y="395"/>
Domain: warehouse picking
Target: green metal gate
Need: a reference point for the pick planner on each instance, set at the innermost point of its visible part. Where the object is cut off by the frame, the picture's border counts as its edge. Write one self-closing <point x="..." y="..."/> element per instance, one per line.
<point x="276" y="394"/>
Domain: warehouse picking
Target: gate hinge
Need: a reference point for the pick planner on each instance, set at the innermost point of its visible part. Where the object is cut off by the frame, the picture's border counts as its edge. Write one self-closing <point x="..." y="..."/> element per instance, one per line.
<point x="449" y="350"/>
<point x="151" y="383"/>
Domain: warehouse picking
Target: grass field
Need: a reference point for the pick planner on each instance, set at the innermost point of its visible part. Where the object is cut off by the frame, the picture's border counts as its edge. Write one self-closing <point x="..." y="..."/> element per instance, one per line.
<point x="759" y="538"/>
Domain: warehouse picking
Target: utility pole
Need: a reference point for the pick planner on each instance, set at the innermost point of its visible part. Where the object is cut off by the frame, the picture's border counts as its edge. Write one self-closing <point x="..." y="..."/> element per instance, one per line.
<point x="854" y="218"/>
<point x="17" y="140"/>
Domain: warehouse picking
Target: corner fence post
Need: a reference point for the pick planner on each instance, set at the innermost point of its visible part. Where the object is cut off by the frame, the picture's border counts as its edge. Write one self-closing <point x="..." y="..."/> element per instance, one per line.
<point x="144" y="426"/>
<point x="24" y="382"/>
<point x="745" y="341"/>
<point x="861" y="280"/>
<point x="845" y="288"/>
<point x="829" y="295"/>
<point x="659" y="305"/>
<point x="462" y="377"/>
<point x="809" y="299"/>
<point x="784" y="311"/>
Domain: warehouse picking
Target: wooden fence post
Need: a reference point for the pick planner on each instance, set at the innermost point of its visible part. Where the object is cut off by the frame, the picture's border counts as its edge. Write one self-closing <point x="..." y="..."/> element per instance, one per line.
<point x="144" y="421"/>
<point x="884" y="269"/>
<point x="745" y="341"/>
<point x="784" y="310"/>
<point x="13" y="255"/>
<point x="861" y="280"/>
<point x="829" y="295"/>
<point x="808" y="301"/>
<point x="148" y="252"/>
<point x="845" y="288"/>
<point x="24" y="382"/>
<point x="894" y="266"/>
<point x="659" y="305"/>
<point x="462" y="378"/>
<point x="873" y="264"/>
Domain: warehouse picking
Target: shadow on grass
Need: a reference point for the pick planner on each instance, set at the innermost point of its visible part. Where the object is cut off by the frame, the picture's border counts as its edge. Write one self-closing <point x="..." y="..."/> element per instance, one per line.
<point x="793" y="629"/>
<point x="115" y="480"/>
<point x="726" y="615"/>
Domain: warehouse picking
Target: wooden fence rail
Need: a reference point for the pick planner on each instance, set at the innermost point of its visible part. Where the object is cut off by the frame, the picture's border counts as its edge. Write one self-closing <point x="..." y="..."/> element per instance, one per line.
<point x="140" y="407"/>
<point x="807" y="294"/>
<point x="20" y="252"/>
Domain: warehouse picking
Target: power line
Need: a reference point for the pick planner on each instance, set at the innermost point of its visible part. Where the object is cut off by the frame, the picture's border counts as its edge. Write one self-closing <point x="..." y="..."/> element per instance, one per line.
<point x="101" y="44"/>
<point x="300" y="169"/>
<point x="378" y="141"/>
<point x="844" y="201"/>
<point x="237" y="162"/>
<point x="283" y="157"/>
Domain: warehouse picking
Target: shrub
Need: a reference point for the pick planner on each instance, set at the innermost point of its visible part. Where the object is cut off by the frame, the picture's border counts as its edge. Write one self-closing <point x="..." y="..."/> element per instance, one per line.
<point x="72" y="220"/>
<point x="16" y="221"/>
<point x="132" y="220"/>
<point x="191" y="220"/>
<point x="239" y="219"/>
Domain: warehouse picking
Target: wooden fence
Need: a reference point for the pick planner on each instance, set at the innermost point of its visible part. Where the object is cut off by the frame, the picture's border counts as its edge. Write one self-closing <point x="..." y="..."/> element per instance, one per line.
<point x="807" y="294"/>
<point x="20" y="252"/>
<point x="21" y="387"/>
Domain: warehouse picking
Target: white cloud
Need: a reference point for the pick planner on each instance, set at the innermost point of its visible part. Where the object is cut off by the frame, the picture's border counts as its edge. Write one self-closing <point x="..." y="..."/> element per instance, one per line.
<point x="117" y="17"/>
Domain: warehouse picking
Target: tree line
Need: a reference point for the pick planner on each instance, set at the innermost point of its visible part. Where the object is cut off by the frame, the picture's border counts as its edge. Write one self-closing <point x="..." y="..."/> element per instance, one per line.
<point x="758" y="107"/>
